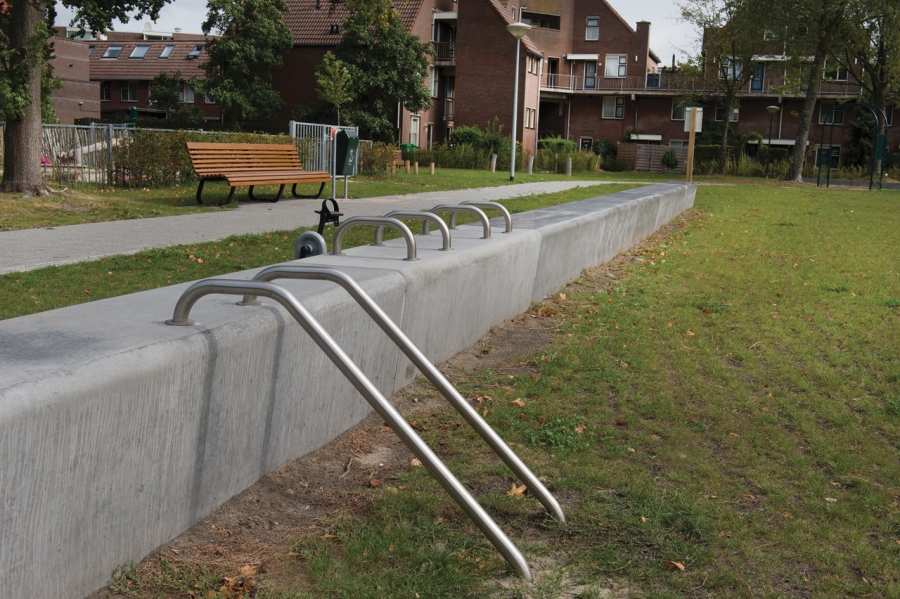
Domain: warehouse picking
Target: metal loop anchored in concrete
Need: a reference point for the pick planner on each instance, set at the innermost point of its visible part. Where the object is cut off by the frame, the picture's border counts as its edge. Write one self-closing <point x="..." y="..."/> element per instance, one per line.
<point x="377" y="221"/>
<point x="507" y="217"/>
<point x="454" y="208"/>
<point x="368" y="390"/>
<point x="414" y="214"/>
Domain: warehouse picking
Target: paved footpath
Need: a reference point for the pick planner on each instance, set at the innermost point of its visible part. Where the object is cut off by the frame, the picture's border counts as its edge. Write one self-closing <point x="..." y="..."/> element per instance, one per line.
<point x="33" y="248"/>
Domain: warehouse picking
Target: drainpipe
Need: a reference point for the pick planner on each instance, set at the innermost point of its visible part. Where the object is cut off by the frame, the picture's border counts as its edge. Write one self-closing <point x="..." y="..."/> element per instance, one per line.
<point x="537" y="117"/>
<point x="633" y="97"/>
<point x="569" y="117"/>
<point x="780" y="118"/>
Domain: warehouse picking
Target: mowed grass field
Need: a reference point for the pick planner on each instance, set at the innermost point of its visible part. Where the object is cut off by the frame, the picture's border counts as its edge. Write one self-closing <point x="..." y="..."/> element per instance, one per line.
<point x="718" y="411"/>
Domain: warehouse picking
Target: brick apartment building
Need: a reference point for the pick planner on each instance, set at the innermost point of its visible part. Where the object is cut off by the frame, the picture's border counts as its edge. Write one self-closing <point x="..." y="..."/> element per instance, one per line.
<point x="79" y="97"/>
<point x="123" y="65"/>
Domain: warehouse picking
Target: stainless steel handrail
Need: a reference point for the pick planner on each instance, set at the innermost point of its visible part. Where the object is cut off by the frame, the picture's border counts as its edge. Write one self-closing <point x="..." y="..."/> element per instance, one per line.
<point x="453" y="208"/>
<point x="369" y="391"/>
<point x="396" y="334"/>
<point x="412" y="214"/>
<point x="378" y="221"/>
<point x="485" y="204"/>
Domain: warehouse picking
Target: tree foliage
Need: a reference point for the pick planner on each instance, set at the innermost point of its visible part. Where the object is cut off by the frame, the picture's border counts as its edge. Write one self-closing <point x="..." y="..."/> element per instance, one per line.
<point x="166" y="92"/>
<point x="386" y="65"/>
<point x="334" y="83"/>
<point x="241" y="61"/>
<point x="38" y="50"/>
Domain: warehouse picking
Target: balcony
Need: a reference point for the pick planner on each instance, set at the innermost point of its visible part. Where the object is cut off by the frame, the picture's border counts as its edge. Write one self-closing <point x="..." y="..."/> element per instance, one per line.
<point x="445" y="53"/>
<point x="669" y="84"/>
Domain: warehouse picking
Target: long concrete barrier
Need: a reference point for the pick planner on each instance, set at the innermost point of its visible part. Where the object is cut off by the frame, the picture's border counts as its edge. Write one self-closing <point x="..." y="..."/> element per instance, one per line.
<point x="117" y="432"/>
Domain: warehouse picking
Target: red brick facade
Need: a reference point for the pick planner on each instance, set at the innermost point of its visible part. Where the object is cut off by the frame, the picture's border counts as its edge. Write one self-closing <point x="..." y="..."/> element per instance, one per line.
<point x="79" y="97"/>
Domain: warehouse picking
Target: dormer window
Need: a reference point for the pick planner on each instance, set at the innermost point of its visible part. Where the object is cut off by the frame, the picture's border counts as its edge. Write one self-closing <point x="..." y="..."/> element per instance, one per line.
<point x="112" y="52"/>
<point x="167" y="51"/>
<point x="335" y="29"/>
<point x="139" y="52"/>
<point x="195" y="53"/>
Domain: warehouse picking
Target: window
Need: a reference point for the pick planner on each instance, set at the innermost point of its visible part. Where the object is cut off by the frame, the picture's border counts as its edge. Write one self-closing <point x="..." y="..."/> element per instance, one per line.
<point x="112" y="52"/>
<point x="534" y="65"/>
<point x="414" y="130"/>
<point x="720" y="113"/>
<point x="678" y="109"/>
<point x="530" y="118"/>
<point x="539" y="21"/>
<point x="139" y="52"/>
<point x="91" y="50"/>
<point x="592" y="32"/>
<point x="838" y="73"/>
<point x="166" y="52"/>
<point x="590" y="75"/>
<point x="106" y="91"/>
<point x="829" y="111"/>
<point x="433" y="81"/>
<point x="731" y="71"/>
<point x="129" y="91"/>
<point x="613" y="108"/>
<point x="208" y="100"/>
<point x="585" y="143"/>
<point x="616" y="65"/>
<point x="678" y="143"/>
<point x="185" y="93"/>
<point x="195" y="53"/>
<point x="889" y="112"/>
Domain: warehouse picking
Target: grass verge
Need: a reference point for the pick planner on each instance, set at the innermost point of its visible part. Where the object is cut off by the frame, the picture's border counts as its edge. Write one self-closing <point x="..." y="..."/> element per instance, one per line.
<point x="53" y="287"/>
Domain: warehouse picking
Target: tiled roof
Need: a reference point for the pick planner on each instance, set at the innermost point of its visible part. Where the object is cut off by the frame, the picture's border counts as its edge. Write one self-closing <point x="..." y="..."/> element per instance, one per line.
<point x="501" y="6"/>
<point x="311" y="26"/>
<point x="135" y="69"/>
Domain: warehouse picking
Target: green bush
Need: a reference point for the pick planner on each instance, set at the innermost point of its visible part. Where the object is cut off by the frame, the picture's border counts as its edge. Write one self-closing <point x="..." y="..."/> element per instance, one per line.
<point x="557" y="145"/>
<point x="708" y="154"/>
<point x="467" y="136"/>
<point x="614" y="165"/>
<point x="605" y="148"/>
<point x="670" y="159"/>
<point x="555" y="162"/>
<point x="778" y="154"/>
<point x="377" y="160"/>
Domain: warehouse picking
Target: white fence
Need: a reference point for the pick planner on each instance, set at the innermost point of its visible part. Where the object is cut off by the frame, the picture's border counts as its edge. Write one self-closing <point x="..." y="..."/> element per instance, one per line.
<point x="315" y="144"/>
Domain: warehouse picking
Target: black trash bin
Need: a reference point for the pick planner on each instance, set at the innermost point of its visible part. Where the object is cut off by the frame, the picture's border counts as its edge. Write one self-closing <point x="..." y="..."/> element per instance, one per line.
<point x="347" y="154"/>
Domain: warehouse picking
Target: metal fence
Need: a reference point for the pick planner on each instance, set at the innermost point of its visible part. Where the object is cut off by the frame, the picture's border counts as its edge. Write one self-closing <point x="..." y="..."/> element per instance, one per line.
<point x="314" y="142"/>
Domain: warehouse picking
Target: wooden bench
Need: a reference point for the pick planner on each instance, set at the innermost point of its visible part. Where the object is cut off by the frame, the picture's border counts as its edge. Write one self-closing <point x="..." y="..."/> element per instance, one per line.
<point x="398" y="160"/>
<point x="251" y="165"/>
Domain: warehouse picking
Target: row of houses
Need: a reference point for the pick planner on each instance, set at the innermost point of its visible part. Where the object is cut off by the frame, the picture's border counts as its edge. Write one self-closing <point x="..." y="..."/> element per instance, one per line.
<point x="584" y="74"/>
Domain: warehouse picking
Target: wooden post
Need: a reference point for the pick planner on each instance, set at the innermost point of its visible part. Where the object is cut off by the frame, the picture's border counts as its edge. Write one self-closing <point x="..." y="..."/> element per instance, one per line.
<point x="431" y="169"/>
<point x="493" y="163"/>
<point x="569" y="167"/>
<point x="531" y="164"/>
<point x="416" y="167"/>
<point x="689" y="167"/>
<point x="407" y="167"/>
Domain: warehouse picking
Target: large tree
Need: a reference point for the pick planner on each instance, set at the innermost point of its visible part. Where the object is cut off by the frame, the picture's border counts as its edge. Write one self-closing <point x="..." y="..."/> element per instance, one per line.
<point x="334" y="85"/>
<point x="731" y="31"/>
<point x="387" y="65"/>
<point x="24" y="34"/>
<point x="239" y="70"/>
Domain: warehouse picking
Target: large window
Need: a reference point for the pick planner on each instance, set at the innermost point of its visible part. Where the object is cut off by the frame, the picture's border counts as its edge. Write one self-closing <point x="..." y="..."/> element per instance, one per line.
<point x="834" y="73"/>
<point x="414" y="130"/>
<point x="592" y="31"/>
<point x="613" y="107"/>
<point x="616" y="65"/>
<point x="139" y="52"/>
<point x="185" y="93"/>
<point x="731" y="70"/>
<point x="678" y="109"/>
<point x="829" y="111"/>
<point x="195" y="53"/>
<point x="129" y="91"/>
<point x="732" y="114"/>
<point x="112" y="52"/>
<point x="166" y="52"/>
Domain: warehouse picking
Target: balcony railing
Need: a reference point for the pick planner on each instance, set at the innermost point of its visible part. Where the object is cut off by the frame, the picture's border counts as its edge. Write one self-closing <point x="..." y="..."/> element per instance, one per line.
<point x="445" y="51"/>
<point x="664" y="82"/>
<point x="448" y="109"/>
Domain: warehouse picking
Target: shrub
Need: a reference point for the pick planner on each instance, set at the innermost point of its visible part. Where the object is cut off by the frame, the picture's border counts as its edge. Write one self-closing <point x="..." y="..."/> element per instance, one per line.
<point x="555" y="162"/>
<point x="614" y="165"/>
<point x="558" y="145"/>
<point x="778" y="154"/>
<point x="605" y="148"/>
<point x="467" y="136"/>
<point x="669" y="159"/>
<point x="376" y="160"/>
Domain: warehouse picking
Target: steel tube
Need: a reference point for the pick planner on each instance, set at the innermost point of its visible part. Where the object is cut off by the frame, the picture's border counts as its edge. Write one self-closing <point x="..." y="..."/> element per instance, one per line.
<point x="396" y="334"/>
<point x="378" y="221"/>
<point x="484" y="205"/>
<point x="412" y="214"/>
<point x="453" y="208"/>
<point x="369" y="391"/>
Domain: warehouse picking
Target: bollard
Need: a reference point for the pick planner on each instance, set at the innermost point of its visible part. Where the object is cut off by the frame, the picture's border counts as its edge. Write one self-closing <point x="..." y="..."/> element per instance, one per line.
<point x="530" y="164"/>
<point x="393" y="169"/>
<point x="431" y="169"/>
<point x="493" y="163"/>
<point x="568" y="167"/>
<point x="407" y="167"/>
<point x="416" y="167"/>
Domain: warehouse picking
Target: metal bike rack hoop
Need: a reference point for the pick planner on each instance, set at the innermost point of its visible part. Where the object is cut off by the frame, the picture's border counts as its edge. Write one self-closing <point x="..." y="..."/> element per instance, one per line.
<point x="431" y="372"/>
<point x="377" y="221"/>
<point x="412" y="214"/>
<point x="483" y="204"/>
<point x="453" y="208"/>
<point x="181" y="317"/>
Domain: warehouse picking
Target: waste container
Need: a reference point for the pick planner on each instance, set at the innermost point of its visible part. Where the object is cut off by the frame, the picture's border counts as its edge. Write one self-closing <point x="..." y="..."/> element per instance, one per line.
<point x="347" y="154"/>
<point x="408" y="151"/>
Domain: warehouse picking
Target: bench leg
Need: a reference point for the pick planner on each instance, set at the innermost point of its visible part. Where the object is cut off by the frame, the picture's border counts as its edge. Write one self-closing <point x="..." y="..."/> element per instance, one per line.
<point x="278" y="197"/>
<point x="231" y="195"/>
<point x="294" y="192"/>
<point x="200" y="191"/>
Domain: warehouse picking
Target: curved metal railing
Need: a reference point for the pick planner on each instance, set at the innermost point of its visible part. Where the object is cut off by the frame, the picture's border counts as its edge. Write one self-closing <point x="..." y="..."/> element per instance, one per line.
<point x="412" y="214"/>
<point x="453" y="208"/>
<point x="507" y="217"/>
<point x="181" y="317"/>
<point x="354" y="221"/>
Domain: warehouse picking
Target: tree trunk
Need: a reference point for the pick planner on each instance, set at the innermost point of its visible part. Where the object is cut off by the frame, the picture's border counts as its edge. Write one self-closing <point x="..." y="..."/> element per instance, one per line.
<point x="809" y="104"/>
<point x="22" y="137"/>
<point x="723" y="154"/>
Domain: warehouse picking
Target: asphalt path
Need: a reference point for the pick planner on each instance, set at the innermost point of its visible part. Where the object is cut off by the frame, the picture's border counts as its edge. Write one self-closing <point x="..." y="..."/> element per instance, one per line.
<point x="29" y="249"/>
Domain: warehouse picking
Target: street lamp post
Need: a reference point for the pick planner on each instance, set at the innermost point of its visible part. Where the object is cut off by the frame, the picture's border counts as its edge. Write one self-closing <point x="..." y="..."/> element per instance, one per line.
<point x="518" y="30"/>
<point x="772" y="110"/>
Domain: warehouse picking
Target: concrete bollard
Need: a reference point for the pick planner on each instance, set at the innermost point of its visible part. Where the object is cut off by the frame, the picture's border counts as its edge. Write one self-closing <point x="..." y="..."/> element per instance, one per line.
<point x="416" y="167"/>
<point x="431" y="169"/>
<point x="568" y="167"/>
<point x="407" y="167"/>
<point x="530" y="168"/>
<point x="493" y="163"/>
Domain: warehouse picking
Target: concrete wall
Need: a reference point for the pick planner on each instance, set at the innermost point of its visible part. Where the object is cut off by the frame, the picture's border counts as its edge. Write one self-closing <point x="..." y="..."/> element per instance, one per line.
<point x="117" y="432"/>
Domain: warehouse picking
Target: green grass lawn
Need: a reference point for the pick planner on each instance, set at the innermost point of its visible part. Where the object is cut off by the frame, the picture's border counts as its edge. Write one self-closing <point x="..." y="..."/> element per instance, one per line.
<point x="86" y="205"/>
<point x="729" y="406"/>
<point x="53" y="287"/>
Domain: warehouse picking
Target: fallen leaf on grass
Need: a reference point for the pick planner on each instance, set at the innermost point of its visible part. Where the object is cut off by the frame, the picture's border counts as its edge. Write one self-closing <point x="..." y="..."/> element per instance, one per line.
<point x="645" y="520"/>
<point x="689" y="334"/>
<point x="518" y="402"/>
<point x="481" y="398"/>
<point x="562" y="297"/>
<point x="581" y="429"/>
<point x="249" y="570"/>
<point x="415" y="463"/>
<point x="516" y="490"/>
<point x="631" y="449"/>
<point x="674" y="565"/>
<point x="732" y="434"/>
<point x="374" y="483"/>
